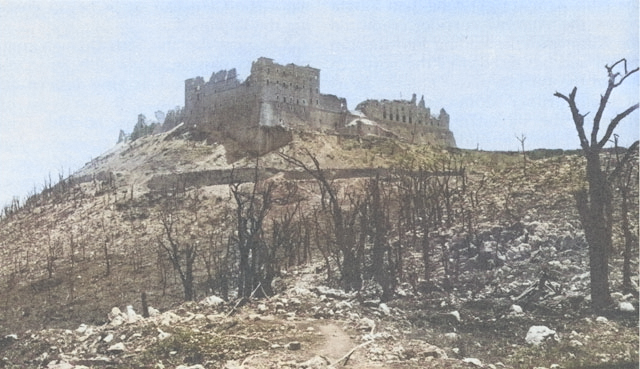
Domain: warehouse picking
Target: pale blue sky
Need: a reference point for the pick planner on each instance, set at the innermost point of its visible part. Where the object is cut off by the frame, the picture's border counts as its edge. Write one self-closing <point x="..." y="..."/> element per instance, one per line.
<point x="73" y="73"/>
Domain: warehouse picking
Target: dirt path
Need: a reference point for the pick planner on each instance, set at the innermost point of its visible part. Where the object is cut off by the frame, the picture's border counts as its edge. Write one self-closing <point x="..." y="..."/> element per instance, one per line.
<point x="337" y="342"/>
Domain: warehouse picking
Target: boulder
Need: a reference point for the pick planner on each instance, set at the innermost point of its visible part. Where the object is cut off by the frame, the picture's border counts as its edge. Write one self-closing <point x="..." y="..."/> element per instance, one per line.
<point x="108" y="338"/>
<point x="516" y="309"/>
<point x="626" y="307"/>
<point x="115" y="312"/>
<point x="132" y="317"/>
<point x="537" y="334"/>
<point x="384" y="309"/>
<point x="473" y="361"/>
<point x="116" y="348"/>
<point x="212" y="300"/>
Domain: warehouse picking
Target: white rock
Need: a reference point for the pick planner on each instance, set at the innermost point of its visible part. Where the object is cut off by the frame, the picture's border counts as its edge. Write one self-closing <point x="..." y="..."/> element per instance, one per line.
<point x="456" y="315"/>
<point x="537" y="334"/>
<point x="316" y="362"/>
<point x="108" y="338"/>
<point x="452" y="336"/>
<point x="163" y="335"/>
<point x="233" y="364"/>
<point x="341" y="305"/>
<point x="212" y="301"/>
<point x="81" y="329"/>
<point x="153" y="311"/>
<point x="367" y="324"/>
<point x="575" y="343"/>
<point x="473" y="361"/>
<point x="169" y="318"/>
<point x="197" y="366"/>
<point x="517" y="309"/>
<point x="602" y="319"/>
<point x="132" y="317"/>
<point x="118" y="347"/>
<point x="263" y="308"/>
<point x="384" y="308"/>
<point x="300" y="291"/>
<point x="115" y="312"/>
<point x="626" y="307"/>
<point x="11" y="337"/>
<point x="617" y="296"/>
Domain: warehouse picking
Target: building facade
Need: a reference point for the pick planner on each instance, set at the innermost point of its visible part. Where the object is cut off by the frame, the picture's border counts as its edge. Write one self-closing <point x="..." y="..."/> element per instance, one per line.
<point x="276" y="98"/>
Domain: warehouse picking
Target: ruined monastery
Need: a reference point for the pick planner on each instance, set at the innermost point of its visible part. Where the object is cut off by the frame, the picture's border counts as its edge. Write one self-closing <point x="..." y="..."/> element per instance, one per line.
<point x="261" y="112"/>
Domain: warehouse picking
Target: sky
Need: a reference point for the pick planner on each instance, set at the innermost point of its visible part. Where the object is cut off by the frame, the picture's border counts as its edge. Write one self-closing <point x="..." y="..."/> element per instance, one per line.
<point x="74" y="73"/>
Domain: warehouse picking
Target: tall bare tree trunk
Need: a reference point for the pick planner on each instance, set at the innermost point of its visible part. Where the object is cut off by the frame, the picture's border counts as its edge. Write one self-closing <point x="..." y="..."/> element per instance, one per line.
<point x="594" y="204"/>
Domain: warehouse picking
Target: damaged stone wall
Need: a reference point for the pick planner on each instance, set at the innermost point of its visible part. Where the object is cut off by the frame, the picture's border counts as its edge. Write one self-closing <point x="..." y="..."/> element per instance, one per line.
<point x="410" y="120"/>
<point x="276" y="95"/>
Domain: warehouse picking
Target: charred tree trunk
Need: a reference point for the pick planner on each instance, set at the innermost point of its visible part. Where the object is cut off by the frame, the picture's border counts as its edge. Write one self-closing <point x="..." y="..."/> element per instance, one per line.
<point x="594" y="203"/>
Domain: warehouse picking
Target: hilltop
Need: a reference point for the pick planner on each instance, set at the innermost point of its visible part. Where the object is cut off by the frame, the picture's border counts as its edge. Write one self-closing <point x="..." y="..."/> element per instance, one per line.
<point x="501" y="239"/>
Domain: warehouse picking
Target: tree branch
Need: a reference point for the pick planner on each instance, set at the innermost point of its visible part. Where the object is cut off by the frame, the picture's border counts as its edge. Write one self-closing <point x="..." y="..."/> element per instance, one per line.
<point x="612" y="76"/>
<point x="627" y="157"/>
<point x="614" y="124"/>
<point x="578" y="119"/>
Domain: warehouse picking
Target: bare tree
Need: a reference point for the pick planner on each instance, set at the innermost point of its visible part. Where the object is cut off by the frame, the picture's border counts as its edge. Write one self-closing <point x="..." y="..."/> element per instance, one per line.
<point x="594" y="203"/>
<point x="180" y="238"/>
<point x="349" y="265"/>
<point x="252" y="208"/>
<point x="625" y="175"/>
<point x="521" y="139"/>
<point x="108" y="239"/>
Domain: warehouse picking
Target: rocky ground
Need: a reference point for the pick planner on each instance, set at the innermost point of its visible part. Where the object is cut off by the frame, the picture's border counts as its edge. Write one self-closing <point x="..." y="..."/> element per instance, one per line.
<point x="309" y="325"/>
<point x="521" y="299"/>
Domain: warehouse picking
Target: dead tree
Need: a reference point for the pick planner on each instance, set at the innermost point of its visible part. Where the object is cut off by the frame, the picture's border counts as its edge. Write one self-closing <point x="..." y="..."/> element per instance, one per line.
<point x="252" y="208"/>
<point x="594" y="203"/>
<point x="350" y="265"/>
<point x="180" y="239"/>
<point x="625" y="175"/>
<point x="521" y="139"/>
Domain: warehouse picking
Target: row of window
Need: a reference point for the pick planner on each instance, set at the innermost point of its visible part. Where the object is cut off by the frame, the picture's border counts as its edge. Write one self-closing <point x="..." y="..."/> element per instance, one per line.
<point x="404" y="118"/>
<point x="304" y="101"/>
<point x="284" y="73"/>
<point x="290" y="84"/>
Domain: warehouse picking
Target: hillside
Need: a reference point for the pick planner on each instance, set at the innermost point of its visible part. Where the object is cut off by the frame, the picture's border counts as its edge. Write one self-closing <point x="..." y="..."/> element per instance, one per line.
<point x="502" y="243"/>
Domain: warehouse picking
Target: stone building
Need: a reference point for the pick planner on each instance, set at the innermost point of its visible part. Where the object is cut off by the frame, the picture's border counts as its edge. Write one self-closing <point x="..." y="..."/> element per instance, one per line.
<point x="409" y="120"/>
<point x="260" y="111"/>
